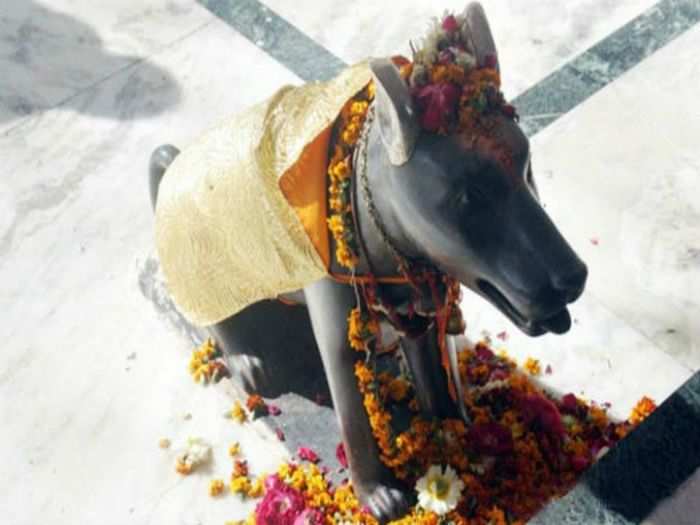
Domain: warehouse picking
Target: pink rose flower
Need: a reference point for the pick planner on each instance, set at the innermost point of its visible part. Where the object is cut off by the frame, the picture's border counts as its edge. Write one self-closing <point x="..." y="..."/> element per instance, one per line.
<point x="310" y="517"/>
<point x="282" y="504"/>
<point x="492" y="439"/>
<point x="341" y="456"/>
<point x="449" y="24"/>
<point x="307" y="454"/>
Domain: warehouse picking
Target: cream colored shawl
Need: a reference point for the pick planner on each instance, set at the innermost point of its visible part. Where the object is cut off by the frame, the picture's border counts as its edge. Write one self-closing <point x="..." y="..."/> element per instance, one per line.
<point x="241" y="212"/>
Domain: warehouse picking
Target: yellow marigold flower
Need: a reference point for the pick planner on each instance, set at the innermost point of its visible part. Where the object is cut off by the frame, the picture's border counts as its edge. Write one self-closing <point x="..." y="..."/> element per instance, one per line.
<point x="216" y="487"/>
<point x="358" y="107"/>
<point x="532" y="366"/>
<point x="336" y="225"/>
<point x="285" y="471"/>
<point x="298" y="480"/>
<point x="257" y="488"/>
<point x="341" y="169"/>
<point x="338" y="205"/>
<point x="240" y="485"/>
<point x="234" y="449"/>
<point x="371" y="90"/>
<point x="238" y="413"/>
<point x="351" y="134"/>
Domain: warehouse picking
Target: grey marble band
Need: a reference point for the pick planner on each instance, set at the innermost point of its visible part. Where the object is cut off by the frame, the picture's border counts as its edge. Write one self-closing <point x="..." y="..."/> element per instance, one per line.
<point x="278" y="38"/>
<point x="538" y="106"/>
<point x="596" y="67"/>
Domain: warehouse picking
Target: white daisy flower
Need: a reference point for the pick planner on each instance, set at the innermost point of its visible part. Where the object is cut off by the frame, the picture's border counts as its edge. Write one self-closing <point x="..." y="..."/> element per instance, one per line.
<point x="439" y="491"/>
<point x="196" y="453"/>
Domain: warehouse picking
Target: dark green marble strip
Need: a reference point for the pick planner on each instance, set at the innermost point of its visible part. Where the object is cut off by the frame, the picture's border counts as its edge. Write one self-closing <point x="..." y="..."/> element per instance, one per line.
<point x="595" y="68"/>
<point x="643" y="469"/>
<point x="280" y="39"/>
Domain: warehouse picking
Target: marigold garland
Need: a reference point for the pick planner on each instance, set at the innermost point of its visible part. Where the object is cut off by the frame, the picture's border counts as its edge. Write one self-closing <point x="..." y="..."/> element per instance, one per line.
<point x="340" y="222"/>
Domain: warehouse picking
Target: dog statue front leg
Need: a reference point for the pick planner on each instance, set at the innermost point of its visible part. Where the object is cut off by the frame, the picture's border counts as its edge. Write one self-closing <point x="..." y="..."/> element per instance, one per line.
<point x="329" y="305"/>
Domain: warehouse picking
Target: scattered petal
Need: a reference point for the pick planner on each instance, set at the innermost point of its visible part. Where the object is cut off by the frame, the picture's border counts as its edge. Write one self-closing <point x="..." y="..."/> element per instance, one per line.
<point x="341" y="456"/>
<point x="307" y="454"/>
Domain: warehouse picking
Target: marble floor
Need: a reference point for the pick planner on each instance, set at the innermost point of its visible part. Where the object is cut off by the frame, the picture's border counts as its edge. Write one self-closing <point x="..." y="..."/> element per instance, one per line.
<point x="94" y="374"/>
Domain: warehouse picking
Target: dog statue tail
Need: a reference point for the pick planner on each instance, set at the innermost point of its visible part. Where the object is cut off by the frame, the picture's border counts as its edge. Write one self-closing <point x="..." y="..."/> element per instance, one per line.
<point x="161" y="158"/>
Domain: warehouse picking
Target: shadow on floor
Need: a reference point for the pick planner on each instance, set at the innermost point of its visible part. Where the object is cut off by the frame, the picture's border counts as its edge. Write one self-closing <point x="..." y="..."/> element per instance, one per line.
<point x="281" y="335"/>
<point x="48" y="59"/>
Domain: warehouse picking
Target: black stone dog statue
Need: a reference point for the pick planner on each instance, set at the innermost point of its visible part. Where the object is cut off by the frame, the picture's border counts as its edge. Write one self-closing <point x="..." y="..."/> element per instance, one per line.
<point x="450" y="204"/>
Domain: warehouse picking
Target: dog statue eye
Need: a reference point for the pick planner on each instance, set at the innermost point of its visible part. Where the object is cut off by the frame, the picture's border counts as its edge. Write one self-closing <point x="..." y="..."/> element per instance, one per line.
<point x="462" y="199"/>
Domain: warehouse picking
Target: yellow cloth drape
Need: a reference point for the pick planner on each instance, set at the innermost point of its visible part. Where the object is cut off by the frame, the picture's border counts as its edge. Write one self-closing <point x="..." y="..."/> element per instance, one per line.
<point x="241" y="213"/>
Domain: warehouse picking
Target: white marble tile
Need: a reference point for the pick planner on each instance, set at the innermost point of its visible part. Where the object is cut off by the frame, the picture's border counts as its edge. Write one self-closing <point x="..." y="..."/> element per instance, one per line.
<point x="51" y="50"/>
<point x="533" y="37"/>
<point x="83" y="430"/>
<point x="621" y="171"/>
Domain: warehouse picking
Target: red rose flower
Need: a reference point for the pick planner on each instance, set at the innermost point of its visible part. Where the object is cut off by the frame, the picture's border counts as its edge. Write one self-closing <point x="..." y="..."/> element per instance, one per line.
<point x="437" y="104"/>
<point x="493" y="439"/>
<point x="569" y="403"/>
<point x="484" y="353"/>
<point x="542" y="414"/>
<point x="579" y="463"/>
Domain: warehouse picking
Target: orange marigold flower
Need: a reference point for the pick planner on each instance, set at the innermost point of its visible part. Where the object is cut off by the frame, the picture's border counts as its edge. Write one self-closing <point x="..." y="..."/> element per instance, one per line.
<point x="183" y="468"/>
<point x="254" y="402"/>
<point x="641" y="410"/>
<point x="398" y="388"/>
<point x="341" y="169"/>
<point x="240" y="468"/>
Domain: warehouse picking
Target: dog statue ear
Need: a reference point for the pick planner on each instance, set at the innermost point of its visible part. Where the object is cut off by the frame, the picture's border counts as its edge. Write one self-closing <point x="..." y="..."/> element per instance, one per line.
<point x="481" y="37"/>
<point x="398" y="125"/>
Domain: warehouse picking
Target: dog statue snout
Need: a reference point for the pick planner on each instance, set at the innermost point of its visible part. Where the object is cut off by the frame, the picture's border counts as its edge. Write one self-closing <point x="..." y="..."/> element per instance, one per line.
<point x="572" y="282"/>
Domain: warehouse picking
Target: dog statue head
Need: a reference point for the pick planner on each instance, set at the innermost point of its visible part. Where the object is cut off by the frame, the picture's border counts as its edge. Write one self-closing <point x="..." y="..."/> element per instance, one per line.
<point x="467" y="202"/>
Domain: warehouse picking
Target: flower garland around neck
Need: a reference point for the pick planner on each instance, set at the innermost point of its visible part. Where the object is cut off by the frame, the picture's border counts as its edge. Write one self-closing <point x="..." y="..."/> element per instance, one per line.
<point x="340" y="168"/>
